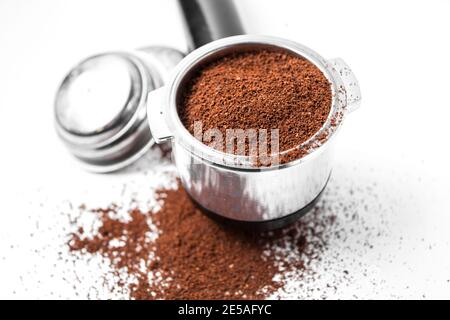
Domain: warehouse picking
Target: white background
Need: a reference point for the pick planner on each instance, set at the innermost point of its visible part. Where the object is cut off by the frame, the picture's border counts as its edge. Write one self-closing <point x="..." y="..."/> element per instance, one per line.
<point x="397" y="143"/>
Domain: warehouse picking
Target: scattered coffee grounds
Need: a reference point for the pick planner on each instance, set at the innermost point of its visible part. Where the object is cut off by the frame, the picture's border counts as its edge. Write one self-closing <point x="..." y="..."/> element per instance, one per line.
<point x="193" y="257"/>
<point x="260" y="89"/>
<point x="165" y="149"/>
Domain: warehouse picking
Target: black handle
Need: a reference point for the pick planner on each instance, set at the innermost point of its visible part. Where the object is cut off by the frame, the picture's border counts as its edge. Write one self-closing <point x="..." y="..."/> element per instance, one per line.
<point x="209" y="20"/>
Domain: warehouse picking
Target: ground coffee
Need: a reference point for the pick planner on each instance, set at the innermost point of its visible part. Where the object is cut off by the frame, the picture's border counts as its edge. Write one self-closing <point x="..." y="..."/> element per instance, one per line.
<point x="260" y="89"/>
<point x="193" y="257"/>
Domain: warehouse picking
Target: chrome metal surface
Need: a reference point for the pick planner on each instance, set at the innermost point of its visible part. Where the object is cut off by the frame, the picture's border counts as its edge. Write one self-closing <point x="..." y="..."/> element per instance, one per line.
<point x="252" y="195"/>
<point x="100" y="107"/>
<point x="244" y="192"/>
<point x="98" y="97"/>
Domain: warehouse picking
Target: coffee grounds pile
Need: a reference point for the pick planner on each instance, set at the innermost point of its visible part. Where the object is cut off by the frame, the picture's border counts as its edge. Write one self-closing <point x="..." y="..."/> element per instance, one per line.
<point x="194" y="257"/>
<point x="262" y="89"/>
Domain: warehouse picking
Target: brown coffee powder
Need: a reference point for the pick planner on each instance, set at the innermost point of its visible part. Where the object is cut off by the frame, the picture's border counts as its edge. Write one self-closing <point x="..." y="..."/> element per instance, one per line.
<point x="193" y="257"/>
<point x="260" y="89"/>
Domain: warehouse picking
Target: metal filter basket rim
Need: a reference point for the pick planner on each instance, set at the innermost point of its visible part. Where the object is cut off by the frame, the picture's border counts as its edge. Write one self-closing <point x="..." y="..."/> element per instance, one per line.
<point x="209" y="52"/>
